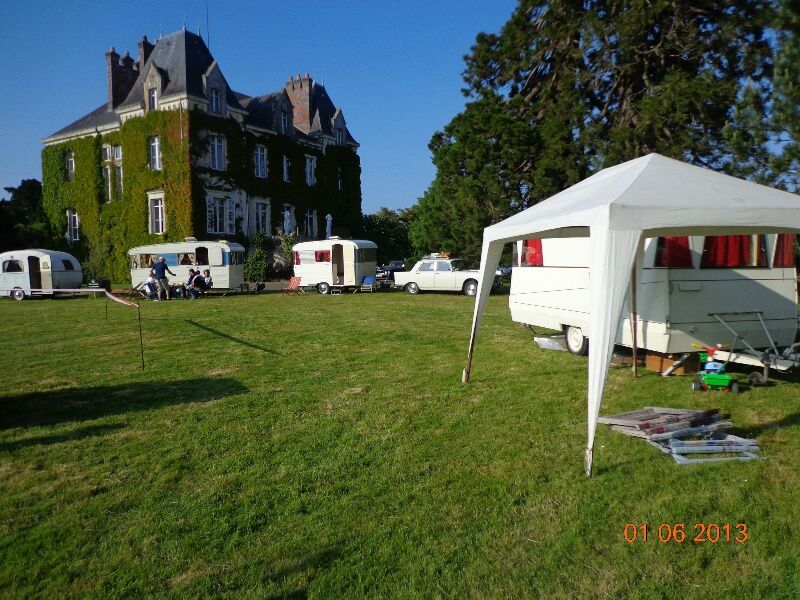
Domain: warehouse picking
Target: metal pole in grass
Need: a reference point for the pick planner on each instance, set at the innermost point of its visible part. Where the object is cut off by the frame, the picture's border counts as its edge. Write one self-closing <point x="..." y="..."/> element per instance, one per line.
<point x="634" y="323"/>
<point x="106" y="297"/>
<point x="141" y="339"/>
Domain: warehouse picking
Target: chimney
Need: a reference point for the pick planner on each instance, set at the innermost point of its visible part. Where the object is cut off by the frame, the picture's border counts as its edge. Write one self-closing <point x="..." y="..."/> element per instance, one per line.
<point x="112" y="60"/>
<point x="120" y="75"/>
<point x="145" y="48"/>
<point x="299" y="92"/>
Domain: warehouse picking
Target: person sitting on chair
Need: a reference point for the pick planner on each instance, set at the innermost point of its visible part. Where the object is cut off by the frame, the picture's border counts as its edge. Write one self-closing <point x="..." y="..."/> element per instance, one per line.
<point x="149" y="286"/>
<point x="197" y="285"/>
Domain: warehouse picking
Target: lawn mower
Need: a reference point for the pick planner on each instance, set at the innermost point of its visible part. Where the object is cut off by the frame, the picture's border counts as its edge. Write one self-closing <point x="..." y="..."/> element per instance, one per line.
<point x="713" y="375"/>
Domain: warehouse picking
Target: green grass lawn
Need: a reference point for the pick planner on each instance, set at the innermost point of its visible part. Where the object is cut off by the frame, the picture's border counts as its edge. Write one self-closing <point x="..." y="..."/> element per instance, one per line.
<point x="325" y="447"/>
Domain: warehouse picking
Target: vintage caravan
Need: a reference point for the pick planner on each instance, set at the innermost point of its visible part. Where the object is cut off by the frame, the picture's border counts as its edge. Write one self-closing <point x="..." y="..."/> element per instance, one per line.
<point x="225" y="261"/>
<point x="681" y="284"/>
<point x="334" y="263"/>
<point x="38" y="272"/>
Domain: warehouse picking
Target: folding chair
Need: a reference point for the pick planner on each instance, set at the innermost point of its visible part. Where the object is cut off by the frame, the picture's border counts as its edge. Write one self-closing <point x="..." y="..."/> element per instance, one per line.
<point x="368" y="284"/>
<point x="294" y="286"/>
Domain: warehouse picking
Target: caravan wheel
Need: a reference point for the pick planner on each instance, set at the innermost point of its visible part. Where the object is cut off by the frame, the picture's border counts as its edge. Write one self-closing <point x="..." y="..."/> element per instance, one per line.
<point x="576" y="342"/>
<point x="323" y="288"/>
<point x="18" y="294"/>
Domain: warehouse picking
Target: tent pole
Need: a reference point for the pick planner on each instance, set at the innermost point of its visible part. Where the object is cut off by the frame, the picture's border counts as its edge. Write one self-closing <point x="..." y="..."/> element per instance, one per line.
<point x="634" y="324"/>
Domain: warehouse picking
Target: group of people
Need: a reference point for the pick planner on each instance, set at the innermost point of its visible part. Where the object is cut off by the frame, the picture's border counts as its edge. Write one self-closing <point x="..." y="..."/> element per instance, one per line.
<point x="156" y="286"/>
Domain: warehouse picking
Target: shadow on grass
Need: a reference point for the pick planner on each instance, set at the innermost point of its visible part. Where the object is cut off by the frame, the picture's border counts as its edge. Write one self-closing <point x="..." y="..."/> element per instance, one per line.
<point x="756" y="430"/>
<point x="77" y="434"/>
<point x="86" y="404"/>
<point x="306" y="567"/>
<point x="226" y="336"/>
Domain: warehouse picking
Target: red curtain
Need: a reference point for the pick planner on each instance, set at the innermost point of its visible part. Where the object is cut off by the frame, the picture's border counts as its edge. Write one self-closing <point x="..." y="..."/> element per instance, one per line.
<point x="297" y="258"/>
<point x="784" y="252"/>
<point x="532" y="253"/>
<point x="674" y="252"/>
<point x="322" y="256"/>
<point x="723" y="251"/>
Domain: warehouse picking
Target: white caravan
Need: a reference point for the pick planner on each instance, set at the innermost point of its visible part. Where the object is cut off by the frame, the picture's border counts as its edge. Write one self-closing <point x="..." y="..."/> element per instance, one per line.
<point x="680" y="283"/>
<point x="334" y="263"/>
<point x="38" y="272"/>
<point x="225" y="261"/>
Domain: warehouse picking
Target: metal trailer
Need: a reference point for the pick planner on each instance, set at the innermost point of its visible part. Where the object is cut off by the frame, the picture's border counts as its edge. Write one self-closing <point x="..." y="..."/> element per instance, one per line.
<point x="772" y="357"/>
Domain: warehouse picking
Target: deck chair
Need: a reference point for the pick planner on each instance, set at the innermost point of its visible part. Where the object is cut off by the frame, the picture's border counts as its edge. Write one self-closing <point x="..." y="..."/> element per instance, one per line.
<point x="294" y="286"/>
<point x="368" y="284"/>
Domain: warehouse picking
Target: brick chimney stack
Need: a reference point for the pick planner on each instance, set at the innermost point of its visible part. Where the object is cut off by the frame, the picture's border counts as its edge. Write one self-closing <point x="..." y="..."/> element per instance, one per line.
<point x="299" y="92"/>
<point x="145" y="48"/>
<point x="121" y="75"/>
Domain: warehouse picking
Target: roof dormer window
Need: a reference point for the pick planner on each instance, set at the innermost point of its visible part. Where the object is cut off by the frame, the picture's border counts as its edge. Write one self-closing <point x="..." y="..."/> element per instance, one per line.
<point x="152" y="99"/>
<point x="339" y="136"/>
<point x="215" y="106"/>
<point x="284" y="121"/>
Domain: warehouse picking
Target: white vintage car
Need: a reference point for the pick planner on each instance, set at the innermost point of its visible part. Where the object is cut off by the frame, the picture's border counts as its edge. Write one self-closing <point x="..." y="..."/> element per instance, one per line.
<point x="438" y="274"/>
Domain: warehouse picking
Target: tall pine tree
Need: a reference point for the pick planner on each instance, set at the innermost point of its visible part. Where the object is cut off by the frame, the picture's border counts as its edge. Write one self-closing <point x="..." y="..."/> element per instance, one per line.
<point x="568" y="87"/>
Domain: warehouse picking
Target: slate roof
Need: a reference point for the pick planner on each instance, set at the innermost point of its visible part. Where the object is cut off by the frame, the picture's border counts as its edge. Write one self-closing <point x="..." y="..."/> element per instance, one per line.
<point x="324" y="112"/>
<point x="185" y="58"/>
<point x="98" y="118"/>
<point x="260" y="109"/>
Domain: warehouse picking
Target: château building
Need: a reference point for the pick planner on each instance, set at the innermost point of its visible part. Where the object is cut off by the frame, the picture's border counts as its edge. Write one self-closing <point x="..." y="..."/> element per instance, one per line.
<point x="175" y="152"/>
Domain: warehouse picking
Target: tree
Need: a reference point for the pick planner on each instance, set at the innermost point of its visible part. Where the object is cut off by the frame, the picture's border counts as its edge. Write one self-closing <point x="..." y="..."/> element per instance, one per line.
<point x="569" y="87"/>
<point x="390" y="230"/>
<point x="23" y="223"/>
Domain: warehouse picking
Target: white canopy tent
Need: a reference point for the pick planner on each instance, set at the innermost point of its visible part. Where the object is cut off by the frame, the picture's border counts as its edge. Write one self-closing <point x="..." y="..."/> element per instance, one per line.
<point x="618" y="208"/>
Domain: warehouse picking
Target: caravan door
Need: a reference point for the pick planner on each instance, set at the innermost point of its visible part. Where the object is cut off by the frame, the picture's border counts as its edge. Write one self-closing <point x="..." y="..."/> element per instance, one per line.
<point x="35" y="272"/>
<point x="337" y="264"/>
<point x="350" y="265"/>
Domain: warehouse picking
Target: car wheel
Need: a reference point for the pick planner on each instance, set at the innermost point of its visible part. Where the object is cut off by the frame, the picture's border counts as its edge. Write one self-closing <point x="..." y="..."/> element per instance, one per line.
<point x="576" y="342"/>
<point x="412" y="288"/>
<point x="18" y="294"/>
<point x="470" y="288"/>
<point x="323" y="288"/>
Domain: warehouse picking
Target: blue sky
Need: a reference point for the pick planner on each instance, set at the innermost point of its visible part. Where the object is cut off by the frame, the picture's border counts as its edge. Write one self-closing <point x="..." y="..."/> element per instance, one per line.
<point x="394" y="68"/>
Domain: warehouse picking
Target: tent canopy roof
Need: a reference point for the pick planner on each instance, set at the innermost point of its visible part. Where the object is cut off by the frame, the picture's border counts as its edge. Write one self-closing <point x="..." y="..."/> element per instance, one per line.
<point x="656" y="194"/>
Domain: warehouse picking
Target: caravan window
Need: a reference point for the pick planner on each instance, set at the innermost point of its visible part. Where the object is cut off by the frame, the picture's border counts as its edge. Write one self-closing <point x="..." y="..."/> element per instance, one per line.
<point x="296" y="258"/>
<point x="673" y="253"/>
<point x="532" y="254"/>
<point x="322" y="256"/>
<point x="367" y="254"/>
<point x="142" y="261"/>
<point x="186" y="258"/>
<point x="784" y="250"/>
<point x="12" y="266"/>
<point x="732" y="251"/>
<point x="68" y="266"/>
<point x="236" y="258"/>
<point x="201" y="255"/>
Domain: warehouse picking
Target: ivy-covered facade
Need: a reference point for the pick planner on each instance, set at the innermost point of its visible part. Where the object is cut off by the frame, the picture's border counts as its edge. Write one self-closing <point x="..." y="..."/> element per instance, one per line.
<point x="174" y="153"/>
